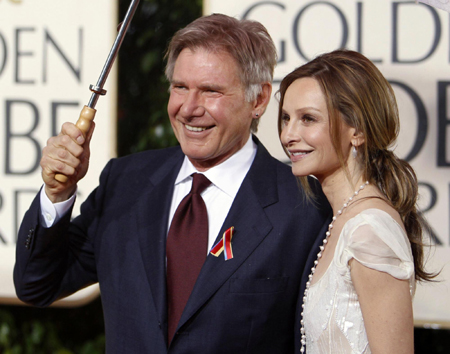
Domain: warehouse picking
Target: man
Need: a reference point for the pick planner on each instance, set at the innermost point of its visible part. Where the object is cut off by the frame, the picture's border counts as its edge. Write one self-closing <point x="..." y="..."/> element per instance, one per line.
<point x="243" y="299"/>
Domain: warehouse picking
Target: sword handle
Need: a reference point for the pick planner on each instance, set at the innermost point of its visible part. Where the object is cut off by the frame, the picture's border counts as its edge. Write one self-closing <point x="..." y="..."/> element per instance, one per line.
<point x="88" y="112"/>
<point x="87" y="115"/>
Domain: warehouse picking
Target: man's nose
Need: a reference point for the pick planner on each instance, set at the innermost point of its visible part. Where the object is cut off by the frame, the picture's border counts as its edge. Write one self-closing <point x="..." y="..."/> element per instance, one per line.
<point x="193" y="105"/>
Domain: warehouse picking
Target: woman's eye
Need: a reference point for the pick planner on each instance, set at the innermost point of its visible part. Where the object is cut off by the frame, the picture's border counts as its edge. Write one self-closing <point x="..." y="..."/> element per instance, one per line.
<point x="307" y="118"/>
<point x="284" y="119"/>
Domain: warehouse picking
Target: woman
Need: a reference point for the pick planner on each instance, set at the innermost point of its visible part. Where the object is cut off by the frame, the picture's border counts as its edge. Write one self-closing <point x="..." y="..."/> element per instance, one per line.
<point x="338" y="118"/>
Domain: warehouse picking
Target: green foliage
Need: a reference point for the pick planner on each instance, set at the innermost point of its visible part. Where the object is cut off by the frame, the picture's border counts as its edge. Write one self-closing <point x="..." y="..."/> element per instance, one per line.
<point x="143" y="90"/>
<point x="25" y="330"/>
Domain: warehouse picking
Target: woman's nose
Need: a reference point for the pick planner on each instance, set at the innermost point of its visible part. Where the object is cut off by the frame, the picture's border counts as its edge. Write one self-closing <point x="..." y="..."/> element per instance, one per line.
<point x="289" y="134"/>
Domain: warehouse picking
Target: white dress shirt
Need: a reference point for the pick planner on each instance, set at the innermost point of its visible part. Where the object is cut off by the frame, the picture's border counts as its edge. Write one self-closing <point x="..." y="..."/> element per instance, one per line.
<point x="226" y="179"/>
<point x="52" y="212"/>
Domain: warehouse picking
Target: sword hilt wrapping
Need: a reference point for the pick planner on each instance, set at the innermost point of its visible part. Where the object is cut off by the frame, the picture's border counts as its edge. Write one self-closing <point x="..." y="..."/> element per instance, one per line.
<point x="84" y="122"/>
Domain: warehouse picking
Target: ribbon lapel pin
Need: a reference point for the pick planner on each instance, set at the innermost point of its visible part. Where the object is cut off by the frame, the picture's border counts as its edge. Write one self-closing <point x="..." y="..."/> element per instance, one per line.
<point x="224" y="245"/>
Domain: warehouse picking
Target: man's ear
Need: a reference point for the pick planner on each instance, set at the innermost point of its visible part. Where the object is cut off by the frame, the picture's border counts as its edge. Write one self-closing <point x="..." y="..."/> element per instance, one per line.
<point x="263" y="99"/>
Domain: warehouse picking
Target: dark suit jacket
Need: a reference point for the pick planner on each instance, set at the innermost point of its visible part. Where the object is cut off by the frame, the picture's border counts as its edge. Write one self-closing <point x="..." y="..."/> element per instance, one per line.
<point x="248" y="304"/>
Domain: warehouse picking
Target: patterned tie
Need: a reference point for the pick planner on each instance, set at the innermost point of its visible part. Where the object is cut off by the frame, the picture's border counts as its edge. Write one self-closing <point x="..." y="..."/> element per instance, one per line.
<point x="186" y="249"/>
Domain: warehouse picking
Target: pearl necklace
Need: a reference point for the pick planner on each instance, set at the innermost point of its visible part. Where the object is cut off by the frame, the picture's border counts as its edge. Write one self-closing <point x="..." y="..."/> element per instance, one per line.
<point x="319" y="255"/>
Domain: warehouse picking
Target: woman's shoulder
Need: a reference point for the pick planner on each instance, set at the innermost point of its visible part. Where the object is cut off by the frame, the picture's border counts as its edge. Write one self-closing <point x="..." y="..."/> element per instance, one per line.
<point x="367" y="211"/>
<point x="377" y="240"/>
<point x="373" y="210"/>
<point x="374" y="222"/>
<point x="374" y="216"/>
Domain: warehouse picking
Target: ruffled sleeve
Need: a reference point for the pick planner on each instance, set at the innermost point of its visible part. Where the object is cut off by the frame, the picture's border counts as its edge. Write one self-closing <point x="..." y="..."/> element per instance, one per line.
<point x="378" y="242"/>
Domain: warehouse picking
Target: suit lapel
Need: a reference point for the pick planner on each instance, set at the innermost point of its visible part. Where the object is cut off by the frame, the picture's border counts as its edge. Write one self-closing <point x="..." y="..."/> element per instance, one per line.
<point x="153" y="216"/>
<point x="258" y="190"/>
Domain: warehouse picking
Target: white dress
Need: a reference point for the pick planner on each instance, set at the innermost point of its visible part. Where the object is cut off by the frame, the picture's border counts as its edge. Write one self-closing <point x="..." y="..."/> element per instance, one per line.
<point x="332" y="314"/>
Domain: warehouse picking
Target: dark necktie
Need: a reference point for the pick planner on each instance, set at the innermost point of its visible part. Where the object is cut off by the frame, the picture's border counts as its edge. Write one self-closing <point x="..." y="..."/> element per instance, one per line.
<point x="186" y="249"/>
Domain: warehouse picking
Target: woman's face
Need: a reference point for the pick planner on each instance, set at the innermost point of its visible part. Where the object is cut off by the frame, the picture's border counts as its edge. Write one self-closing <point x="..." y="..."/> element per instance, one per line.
<point x="306" y="131"/>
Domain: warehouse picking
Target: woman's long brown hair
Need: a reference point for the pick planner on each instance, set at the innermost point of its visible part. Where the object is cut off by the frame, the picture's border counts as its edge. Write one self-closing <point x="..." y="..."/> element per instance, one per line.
<point x="358" y="94"/>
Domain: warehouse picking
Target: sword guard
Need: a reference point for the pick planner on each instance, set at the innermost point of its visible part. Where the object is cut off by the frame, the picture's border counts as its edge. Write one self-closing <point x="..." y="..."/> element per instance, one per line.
<point x="98" y="90"/>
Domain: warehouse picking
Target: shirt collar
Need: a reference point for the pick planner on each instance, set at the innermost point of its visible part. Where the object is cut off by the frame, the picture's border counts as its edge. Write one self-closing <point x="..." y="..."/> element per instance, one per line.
<point x="228" y="175"/>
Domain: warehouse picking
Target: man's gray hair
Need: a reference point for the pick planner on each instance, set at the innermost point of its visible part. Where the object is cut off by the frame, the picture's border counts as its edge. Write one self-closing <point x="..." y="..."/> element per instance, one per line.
<point x="248" y="42"/>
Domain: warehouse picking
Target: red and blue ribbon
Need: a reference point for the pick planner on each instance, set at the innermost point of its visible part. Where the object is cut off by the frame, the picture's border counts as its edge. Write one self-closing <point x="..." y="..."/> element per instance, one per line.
<point x="224" y="245"/>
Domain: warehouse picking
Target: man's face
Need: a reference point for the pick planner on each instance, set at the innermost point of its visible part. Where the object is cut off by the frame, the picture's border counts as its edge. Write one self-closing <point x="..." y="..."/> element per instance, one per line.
<point x="207" y="107"/>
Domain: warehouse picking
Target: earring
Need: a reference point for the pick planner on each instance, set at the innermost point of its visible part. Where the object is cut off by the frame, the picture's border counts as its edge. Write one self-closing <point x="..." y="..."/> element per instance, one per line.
<point x="354" y="152"/>
<point x="256" y="115"/>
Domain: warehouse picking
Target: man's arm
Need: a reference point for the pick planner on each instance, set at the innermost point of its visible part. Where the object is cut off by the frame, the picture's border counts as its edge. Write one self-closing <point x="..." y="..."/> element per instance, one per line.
<point x="40" y="257"/>
<point x="42" y="254"/>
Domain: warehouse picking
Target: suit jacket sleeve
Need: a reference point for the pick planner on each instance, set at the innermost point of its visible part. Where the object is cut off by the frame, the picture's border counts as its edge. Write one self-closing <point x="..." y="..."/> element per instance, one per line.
<point x="52" y="263"/>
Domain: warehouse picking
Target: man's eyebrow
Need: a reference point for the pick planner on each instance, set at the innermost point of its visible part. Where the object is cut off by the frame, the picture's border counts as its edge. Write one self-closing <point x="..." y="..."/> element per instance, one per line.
<point x="212" y="87"/>
<point x="203" y="87"/>
<point x="176" y="82"/>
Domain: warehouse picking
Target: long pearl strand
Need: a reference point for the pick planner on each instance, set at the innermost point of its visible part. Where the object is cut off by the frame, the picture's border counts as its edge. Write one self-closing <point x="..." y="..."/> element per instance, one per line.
<point x="319" y="255"/>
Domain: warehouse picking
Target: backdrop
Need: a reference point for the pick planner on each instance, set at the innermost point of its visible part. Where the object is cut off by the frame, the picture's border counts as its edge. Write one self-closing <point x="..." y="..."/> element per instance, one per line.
<point x="50" y="52"/>
<point x="409" y="42"/>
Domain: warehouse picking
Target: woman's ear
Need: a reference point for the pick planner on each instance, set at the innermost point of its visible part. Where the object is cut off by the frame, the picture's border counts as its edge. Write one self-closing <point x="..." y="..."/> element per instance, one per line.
<point x="358" y="139"/>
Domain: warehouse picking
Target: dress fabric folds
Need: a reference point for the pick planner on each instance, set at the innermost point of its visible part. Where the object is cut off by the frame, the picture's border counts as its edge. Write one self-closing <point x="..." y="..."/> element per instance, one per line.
<point x="332" y="314"/>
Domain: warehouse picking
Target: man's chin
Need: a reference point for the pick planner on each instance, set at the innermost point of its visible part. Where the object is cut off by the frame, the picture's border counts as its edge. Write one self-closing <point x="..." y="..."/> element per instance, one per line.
<point x="202" y="162"/>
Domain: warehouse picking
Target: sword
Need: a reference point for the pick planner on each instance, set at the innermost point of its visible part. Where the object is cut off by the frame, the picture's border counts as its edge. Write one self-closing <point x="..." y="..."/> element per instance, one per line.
<point x="87" y="114"/>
